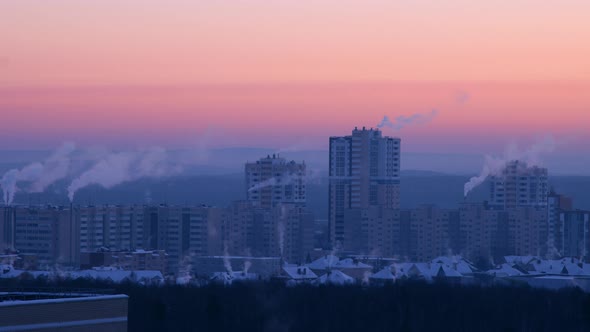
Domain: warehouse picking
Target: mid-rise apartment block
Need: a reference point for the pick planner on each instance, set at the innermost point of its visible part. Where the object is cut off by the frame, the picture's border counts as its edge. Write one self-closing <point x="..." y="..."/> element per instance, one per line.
<point x="519" y="185"/>
<point x="51" y="233"/>
<point x="274" y="180"/>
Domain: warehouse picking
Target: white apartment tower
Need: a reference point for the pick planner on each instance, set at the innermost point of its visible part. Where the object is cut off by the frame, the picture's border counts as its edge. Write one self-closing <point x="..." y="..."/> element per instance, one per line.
<point x="520" y="185"/>
<point x="274" y="180"/>
<point x="364" y="172"/>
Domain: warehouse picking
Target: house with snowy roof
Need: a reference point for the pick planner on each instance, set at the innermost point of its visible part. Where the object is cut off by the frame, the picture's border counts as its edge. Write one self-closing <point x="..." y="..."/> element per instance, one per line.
<point x="351" y="267"/>
<point x="299" y="274"/>
<point x="384" y="276"/>
<point x="335" y="278"/>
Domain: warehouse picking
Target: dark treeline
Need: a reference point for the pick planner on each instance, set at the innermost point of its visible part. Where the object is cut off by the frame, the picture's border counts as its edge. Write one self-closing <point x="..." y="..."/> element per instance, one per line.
<point x="399" y="307"/>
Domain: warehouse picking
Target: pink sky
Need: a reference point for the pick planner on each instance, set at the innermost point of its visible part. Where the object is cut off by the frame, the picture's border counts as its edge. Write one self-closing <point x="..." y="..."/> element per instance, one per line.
<point x="290" y="73"/>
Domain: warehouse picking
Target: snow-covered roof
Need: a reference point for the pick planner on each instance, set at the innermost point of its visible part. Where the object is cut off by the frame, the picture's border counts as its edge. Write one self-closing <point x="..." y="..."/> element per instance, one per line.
<point x="324" y="262"/>
<point x="553" y="282"/>
<point x="505" y="270"/>
<point x="299" y="272"/>
<point x="349" y="263"/>
<point x="458" y="263"/>
<point x="401" y="269"/>
<point x="7" y="271"/>
<point x="384" y="274"/>
<point x="444" y="270"/>
<point x="569" y="266"/>
<point x="534" y="265"/>
<point x="519" y="259"/>
<point x="428" y="271"/>
<point x="333" y="262"/>
<point x="335" y="277"/>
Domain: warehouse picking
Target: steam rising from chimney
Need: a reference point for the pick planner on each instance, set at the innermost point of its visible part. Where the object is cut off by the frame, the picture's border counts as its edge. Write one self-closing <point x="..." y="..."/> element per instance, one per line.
<point x="39" y="175"/>
<point x="123" y="167"/>
<point x="403" y="121"/>
<point x="226" y="262"/>
<point x="495" y="165"/>
<point x="281" y="229"/>
<point x="285" y="179"/>
<point x="247" y="265"/>
<point x="266" y="183"/>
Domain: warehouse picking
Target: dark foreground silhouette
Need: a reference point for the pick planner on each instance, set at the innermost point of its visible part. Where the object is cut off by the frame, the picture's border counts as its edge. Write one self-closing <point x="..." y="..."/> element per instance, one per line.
<point x="406" y="306"/>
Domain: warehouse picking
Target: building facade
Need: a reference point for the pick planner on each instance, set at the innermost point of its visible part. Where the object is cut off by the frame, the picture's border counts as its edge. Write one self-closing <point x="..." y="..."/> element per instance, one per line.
<point x="137" y="260"/>
<point x="114" y="227"/>
<point x="274" y="180"/>
<point x="48" y="232"/>
<point x="519" y="185"/>
<point x="573" y="234"/>
<point x="364" y="171"/>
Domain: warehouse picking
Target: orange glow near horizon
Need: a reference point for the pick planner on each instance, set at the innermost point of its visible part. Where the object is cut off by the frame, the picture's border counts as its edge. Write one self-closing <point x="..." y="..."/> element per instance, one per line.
<point x="251" y="114"/>
<point x="141" y="72"/>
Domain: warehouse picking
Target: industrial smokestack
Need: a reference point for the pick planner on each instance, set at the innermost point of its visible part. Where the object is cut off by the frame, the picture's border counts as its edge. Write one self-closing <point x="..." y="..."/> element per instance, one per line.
<point x="38" y="175"/>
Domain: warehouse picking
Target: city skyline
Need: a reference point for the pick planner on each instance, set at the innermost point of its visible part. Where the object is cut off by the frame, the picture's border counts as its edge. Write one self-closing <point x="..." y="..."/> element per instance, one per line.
<point x="289" y="165"/>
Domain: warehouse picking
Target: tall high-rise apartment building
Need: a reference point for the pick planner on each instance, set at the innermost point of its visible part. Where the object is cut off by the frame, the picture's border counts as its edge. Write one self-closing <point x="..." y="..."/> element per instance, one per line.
<point x="274" y="180"/>
<point x="519" y="185"/>
<point x="364" y="172"/>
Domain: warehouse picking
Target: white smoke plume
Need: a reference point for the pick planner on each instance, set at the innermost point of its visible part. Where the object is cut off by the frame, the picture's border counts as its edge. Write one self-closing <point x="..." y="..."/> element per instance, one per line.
<point x="495" y="165"/>
<point x="314" y="176"/>
<point x="185" y="269"/>
<point x="247" y="262"/>
<point x="247" y="265"/>
<point x="117" y="168"/>
<point x="403" y="121"/>
<point x="39" y="175"/>
<point x="11" y="178"/>
<point x="462" y="97"/>
<point x="283" y="180"/>
<point x="226" y="262"/>
<point x="266" y="183"/>
<point x="552" y="251"/>
<point x="55" y="168"/>
<point x="303" y="144"/>
<point x="333" y="258"/>
<point x="281" y="229"/>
